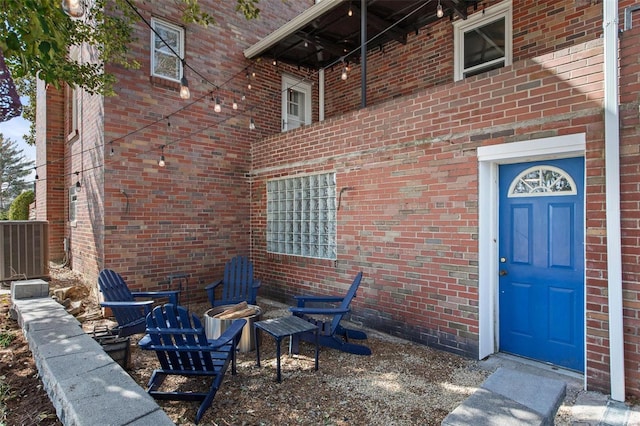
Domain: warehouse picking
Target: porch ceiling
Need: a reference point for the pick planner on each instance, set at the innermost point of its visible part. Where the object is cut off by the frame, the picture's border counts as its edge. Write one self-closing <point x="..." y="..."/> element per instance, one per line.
<point x="325" y="34"/>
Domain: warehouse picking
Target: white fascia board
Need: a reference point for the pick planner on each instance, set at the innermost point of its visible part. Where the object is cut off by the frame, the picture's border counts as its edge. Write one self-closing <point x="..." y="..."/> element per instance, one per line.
<point x="290" y="27"/>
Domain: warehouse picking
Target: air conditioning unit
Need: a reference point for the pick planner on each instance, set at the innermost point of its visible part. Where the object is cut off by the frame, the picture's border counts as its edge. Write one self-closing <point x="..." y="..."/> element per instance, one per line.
<point x="24" y="249"/>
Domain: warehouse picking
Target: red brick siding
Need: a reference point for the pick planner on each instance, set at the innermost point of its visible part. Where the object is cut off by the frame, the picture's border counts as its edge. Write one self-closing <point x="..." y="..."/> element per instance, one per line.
<point x="630" y="202"/>
<point x="411" y="220"/>
<point x="50" y="201"/>
<point x="192" y="215"/>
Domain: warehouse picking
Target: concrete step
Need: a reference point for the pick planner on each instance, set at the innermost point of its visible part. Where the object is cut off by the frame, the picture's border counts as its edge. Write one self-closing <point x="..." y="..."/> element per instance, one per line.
<point x="509" y="398"/>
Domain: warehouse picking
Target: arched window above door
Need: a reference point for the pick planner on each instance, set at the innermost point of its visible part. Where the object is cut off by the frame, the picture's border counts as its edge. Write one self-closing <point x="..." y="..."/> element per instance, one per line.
<point x="542" y="180"/>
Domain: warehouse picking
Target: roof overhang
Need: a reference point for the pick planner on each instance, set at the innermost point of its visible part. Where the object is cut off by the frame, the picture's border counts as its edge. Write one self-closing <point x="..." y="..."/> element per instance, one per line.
<point x="330" y="31"/>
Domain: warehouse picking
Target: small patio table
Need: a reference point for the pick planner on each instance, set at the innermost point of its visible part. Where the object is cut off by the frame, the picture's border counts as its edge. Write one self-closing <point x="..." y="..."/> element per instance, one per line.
<point x="279" y="328"/>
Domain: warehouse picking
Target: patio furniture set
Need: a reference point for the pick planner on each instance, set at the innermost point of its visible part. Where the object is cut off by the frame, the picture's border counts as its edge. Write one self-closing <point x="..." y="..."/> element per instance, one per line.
<point x="183" y="346"/>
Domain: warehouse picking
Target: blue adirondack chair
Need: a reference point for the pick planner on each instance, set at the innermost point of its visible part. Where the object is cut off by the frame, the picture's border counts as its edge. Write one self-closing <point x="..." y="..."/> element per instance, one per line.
<point x="182" y="348"/>
<point x="128" y="312"/>
<point x="238" y="284"/>
<point x="330" y="333"/>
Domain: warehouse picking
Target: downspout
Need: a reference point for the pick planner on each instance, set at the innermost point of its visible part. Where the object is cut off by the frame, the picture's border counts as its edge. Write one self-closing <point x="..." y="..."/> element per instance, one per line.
<point x="363" y="53"/>
<point x="612" y="197"/>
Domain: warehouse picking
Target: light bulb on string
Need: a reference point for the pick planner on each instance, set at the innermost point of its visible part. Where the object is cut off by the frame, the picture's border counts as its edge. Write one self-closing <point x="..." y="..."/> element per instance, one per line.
<point x="111" y="151"/>
<point x="439" y="11"/>
<point x="78" y="180"/>
<point x="344" y="74"/>
<point x="235" y="104"/>
<point x="185" y="93"/>
<point x="217" y="107"/>
<point x="161" y="162"/>
<point x="350" y="12"/>
<point x="252" y="124"/>
<point x="35" y="169"/>
<point x="73" y="8"/>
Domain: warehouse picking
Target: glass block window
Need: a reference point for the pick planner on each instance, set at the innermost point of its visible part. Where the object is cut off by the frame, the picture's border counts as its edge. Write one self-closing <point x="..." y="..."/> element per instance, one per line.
<point x="301" y="216"/>
<point x="542" y="181"/>
<point x="164" y="63"/>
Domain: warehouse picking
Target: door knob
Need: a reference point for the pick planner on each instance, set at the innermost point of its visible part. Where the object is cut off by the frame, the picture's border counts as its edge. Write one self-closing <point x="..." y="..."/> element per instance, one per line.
<point x="503" y="272"/>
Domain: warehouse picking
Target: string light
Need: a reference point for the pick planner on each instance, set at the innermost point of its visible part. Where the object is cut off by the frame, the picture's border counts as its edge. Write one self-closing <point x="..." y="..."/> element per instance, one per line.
<point x="350" y="12"/>
<point x="252" y="124"/>
<point x="35" y="169"/>
<point x="184" y="87"/>
<point x="345" y="70"/>
<point x="78" y="179"/>
<point x="439" y="11"/>
<point x="73" y="8"/>
<point x="161" y="163"/>
<point x="217" y="107"/>
<point x="111" y="152"/>
<point x="235" y="104"/>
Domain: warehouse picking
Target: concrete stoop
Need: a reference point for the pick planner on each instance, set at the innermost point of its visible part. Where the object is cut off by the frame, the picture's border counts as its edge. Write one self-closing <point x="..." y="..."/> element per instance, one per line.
<point x="509" y="398"/>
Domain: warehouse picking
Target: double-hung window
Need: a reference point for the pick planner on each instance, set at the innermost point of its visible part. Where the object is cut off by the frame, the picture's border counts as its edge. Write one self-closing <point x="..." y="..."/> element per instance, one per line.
<point x="483" y="42"/>
<point x="301" y="216"/>
<point x="296" y="103"/>
<point x="167" y="50"/>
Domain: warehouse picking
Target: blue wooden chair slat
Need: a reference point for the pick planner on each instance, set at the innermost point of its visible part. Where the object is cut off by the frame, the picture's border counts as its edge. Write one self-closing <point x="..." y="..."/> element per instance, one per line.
<point x="330" y="332"/>
<point x="128" y="312"/>
<point x="238" y="284"/>
<point x="182" y="348"/>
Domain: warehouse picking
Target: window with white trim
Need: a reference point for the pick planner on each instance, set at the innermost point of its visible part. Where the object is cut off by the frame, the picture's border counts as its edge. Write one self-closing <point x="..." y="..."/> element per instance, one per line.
<point x="301" y="216"/>
<point x="483" y="42"/>
<point x="73" y="204"/>
<point x="169" y="39"/>
<point x="542" y="181"/>
<point x="296" y="103"/>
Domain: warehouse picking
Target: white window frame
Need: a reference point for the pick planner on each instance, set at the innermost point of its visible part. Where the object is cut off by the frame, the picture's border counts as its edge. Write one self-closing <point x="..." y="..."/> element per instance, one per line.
<point x="73" y="204"/>
<point x="302" y="216"/>
<point x="74" y="94"/>
<point x="292" y="83"/>
<point x="180" y="32"/>
<point x="493" y="13"/>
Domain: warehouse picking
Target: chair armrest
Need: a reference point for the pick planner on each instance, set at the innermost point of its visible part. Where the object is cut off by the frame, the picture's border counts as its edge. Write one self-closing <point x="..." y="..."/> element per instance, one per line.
<point x="319" y="311"/>
<point x="317" y="299"/>
<point x="141" y="303"/>
<point x="145" y="304"/>
<point x="213" y="285"/>
<point x="211" y="291"/>
<point x="229" y="334"/>
<point x="171" y="294"/>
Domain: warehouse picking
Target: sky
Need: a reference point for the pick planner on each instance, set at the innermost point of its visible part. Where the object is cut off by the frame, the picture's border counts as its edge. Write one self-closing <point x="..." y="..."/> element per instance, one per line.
<point x="14" y="129"/>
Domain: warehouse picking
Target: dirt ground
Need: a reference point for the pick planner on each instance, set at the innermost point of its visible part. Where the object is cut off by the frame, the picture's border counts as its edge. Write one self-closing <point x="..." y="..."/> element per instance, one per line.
<point x="401" y="383"/>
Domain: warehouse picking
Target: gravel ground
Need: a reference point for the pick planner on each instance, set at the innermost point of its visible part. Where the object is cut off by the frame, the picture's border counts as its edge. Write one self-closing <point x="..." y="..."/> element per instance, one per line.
<point x="402" y="383"/>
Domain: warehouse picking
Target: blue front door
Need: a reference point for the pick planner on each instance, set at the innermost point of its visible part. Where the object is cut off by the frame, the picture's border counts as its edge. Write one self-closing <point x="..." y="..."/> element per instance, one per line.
<point x="541" y="284"/>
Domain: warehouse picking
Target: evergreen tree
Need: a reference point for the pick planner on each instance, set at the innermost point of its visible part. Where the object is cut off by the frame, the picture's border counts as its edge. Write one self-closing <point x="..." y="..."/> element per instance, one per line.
<point x="14" y="167"/>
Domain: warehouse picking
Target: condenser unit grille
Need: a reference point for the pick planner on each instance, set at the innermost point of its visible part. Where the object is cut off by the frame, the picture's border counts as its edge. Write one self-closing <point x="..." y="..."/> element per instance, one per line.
<point x="23" y="250"/>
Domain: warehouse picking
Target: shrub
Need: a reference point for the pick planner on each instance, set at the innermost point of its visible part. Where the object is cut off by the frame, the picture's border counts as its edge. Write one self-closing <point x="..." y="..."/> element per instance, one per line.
<point x="19" y="209"/>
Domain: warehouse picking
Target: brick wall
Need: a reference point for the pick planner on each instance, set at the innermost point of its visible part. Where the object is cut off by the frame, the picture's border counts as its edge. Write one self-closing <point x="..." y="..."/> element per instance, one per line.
<point x="50" y="195"/>
<point x="410" y="223"/>
<point x="630" y="203"/>
<point x="192" y="215"/>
